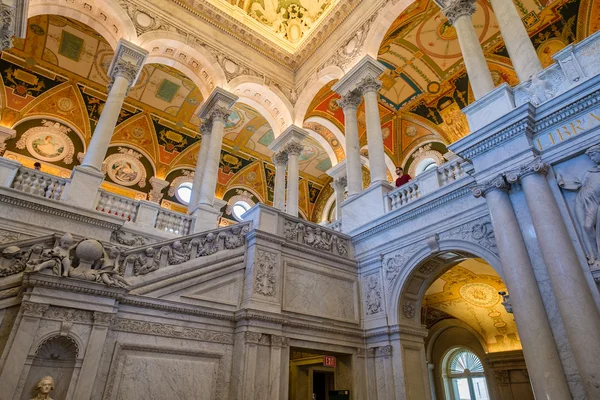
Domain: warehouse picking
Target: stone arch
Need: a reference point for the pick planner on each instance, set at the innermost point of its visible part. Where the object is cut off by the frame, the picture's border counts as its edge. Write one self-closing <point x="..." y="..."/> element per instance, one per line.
<point x="171" y="48"/>
<point x="269" y="102"/>
<point x="110" y="20"/>
<point x="420" y="267"/>
<point x="323" y="77"/>
<point x="385" y="19"/>
<point x="327" y="207"/>
<point x="440" y="327"/>
<point x="339" y="135"/>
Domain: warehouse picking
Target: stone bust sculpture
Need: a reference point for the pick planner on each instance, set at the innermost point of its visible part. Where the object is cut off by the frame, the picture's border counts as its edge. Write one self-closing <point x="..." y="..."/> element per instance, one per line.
<point x="43" y="388"/>
<point x="587" y="206"/>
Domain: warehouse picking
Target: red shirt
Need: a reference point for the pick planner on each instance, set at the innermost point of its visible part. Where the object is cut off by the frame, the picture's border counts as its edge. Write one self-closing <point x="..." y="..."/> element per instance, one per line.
<point x="403" y="180"/>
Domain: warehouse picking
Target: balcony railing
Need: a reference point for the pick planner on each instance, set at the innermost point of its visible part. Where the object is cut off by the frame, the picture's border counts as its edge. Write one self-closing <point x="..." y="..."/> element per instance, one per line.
<point x="119" y="206"/>
<point x="38" y="183"/>
<point x="172" y="222"/>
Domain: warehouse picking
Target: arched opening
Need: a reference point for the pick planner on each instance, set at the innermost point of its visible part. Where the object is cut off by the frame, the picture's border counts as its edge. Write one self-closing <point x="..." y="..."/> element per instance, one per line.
<point x="471" y="345"/>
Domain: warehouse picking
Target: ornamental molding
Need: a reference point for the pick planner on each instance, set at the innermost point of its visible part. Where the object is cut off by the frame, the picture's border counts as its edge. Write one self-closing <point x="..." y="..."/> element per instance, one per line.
<point x="455" y="194"/>
<point x="265" y="273"/>
<point x="173" y="309"/>
<point x="31" y="309"/>
<point x="479" y="231"/>
<point x="568" y="112"/>
<point x="174" y="331"/>
<point x="73" y="285"/>
<point x="279" y="341"/>
<point x="69" y="315"/>
<point x="5" y="199"/>
<point x="384" y="351"/>
<point x="394" y="263"/>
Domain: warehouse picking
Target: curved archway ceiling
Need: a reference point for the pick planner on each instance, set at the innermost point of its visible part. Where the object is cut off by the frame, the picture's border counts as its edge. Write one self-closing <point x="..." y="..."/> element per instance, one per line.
<point x="426" y="86"/>
<point x="60" y="71"/>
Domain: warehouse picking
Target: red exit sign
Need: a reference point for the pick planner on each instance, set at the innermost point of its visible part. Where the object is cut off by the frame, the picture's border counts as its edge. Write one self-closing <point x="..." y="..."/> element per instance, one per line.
<point x="329" y="361"/>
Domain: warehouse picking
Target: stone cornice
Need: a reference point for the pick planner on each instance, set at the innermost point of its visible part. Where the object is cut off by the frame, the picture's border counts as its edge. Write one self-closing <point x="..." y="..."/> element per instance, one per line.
<point x="73" y="285"/>
<point x="181" y="309"/>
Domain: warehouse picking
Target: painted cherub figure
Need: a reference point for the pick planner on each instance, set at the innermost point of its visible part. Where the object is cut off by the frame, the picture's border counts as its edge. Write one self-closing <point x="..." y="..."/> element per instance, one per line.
<point x="587" y="206"/>
<point x="59" y="258"/>
<point x="43" y="388"/>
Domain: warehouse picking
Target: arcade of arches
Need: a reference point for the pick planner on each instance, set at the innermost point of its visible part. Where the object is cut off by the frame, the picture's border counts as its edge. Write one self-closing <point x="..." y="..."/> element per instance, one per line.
<point x="199" y="199"/>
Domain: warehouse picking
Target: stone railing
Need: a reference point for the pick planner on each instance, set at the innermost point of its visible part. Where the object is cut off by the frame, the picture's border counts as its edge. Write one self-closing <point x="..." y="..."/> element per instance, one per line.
<point x="172" y="222"/>
<point x="38" y="183"/>
<point x="316" y="236"/>
<point x="428" y="182"/>
<point x="116" y="205"/>
<point x="141" y="261"/>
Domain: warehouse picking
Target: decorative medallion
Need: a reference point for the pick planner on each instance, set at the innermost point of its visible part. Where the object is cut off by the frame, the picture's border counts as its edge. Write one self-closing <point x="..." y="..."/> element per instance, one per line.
<point x="125" y="168"/>
<point x="48" y="143"/>
<point x="480" y="294"/>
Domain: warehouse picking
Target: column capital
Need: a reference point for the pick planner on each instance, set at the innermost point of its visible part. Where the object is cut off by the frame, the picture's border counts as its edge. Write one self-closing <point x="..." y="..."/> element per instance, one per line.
<point x="294" y="148"/>
<point x="280" y="158"/>
<point x="498" y="183"/>
<point x="537" y="166"/>
<point x="454" y="9"/>
<point x="218" y="113"/>
<point x="369" y="84"/>
<point x="218" y="99"/>
<point x="339" y="184"/>
<point x="351" y="100"/>
<point x="127" y="62"/>
<point x="206" y="127"/>
<point x="292" y="134"/>
<point x="367" y="67"/>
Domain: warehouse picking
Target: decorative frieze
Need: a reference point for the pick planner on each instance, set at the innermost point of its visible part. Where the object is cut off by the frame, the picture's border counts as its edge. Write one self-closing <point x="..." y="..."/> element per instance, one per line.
<point x="279" y="341"/>
<point x="31" y="309"/>
<point x="265" y="273"/>
<point x="69" y="315"/>
<point x="316" y="237"/>
<point x="159" y="329"/>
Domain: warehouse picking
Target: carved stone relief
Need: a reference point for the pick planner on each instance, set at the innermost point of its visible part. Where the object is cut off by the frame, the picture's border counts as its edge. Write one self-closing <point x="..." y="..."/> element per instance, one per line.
<point x="316" y="237"/>
<point x="265" y="276"/>
<point x="373" y="298"/>
<point x="409" y="309"/>
<point x="392" y="265"/>
<point x="479" y="231"/>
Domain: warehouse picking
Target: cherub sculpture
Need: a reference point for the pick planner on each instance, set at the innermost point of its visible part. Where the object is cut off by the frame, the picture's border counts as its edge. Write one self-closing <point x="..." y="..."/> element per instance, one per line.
<point x="145" y="262"/>
<point x="587" y="206"/>
<point x="59" y="258"/>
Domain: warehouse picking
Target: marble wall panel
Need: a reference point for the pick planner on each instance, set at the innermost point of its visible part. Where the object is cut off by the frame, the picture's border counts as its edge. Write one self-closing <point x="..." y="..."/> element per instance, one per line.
<point x="320" y="293"/>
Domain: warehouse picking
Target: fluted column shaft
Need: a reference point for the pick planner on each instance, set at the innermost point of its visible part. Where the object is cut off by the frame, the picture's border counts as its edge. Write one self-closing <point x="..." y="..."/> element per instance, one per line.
<point x="211" y="169"/>
<point x="349" y="104"/>
<point x="280" y="160"/>
<point x="572" y="292"/>
<point x="96" y="151"/>
<point x="369" y="88"/>
<point x="539" y="348"/>
<point x="293" y="150"/>
<point x="518" y="44"/>
<point x="460" y="13"/>
<point x="339" y="188"/>
<point x="206" y="129"/>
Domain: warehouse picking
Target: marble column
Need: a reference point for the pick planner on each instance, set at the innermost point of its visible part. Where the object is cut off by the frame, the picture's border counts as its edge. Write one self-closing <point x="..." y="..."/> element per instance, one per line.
<point x="280" y="159"/>
<point x="205" y="129"/>
<point x="539" y="348"/>
<point x="124" y="71"/>
<point x="518" y="44"/>
<point x="369" y="87"/>
<point x="13" y="21"/>
<point x="459" y="13"/>
<point x="339" y="188"/>
<point x="349" y="104"/>
<point x="293" y="150"/>
<point x="572" y="292"/>
<point x="216" y="110"/>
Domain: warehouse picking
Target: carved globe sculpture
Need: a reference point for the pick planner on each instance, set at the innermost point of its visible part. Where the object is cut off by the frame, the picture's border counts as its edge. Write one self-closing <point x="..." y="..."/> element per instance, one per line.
<point x="89" y="251"/>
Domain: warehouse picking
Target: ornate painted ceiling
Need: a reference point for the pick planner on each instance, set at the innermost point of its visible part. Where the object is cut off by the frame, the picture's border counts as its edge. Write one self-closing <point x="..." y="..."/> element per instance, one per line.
<point x="469" y="292"/>
<point x="425" y="85"/>
<point x="56" y="79"/>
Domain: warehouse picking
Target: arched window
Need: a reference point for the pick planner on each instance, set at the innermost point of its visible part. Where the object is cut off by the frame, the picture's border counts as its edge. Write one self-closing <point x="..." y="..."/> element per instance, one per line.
<point x="465" y="376"/>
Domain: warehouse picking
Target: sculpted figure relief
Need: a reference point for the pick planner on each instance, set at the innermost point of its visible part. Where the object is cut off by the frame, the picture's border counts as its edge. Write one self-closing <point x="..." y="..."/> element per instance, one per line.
<point x="59" y="258"/>
<point x="145" y="262"/>
<point x="587" y="206"/>
<point x="43" y="388"/>
<point x="12" y="261"/>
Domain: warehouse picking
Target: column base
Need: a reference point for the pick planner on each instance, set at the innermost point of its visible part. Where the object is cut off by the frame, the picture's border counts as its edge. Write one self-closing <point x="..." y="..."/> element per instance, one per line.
<point x="82" y="190"/>
<point x="365" y="207"/>
<point x="207" y="216"/>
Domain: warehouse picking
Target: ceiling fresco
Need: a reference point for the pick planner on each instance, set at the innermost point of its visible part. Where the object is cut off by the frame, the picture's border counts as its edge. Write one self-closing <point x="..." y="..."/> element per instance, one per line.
<point x="426" y="86"/>
<point x="469" y="292"/>
<point x="288" y="20"/>
<point x="57" y="76"/>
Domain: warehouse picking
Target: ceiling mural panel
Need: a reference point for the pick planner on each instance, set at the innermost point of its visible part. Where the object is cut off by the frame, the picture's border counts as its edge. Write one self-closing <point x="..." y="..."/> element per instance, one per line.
<point x="469" y="292"/>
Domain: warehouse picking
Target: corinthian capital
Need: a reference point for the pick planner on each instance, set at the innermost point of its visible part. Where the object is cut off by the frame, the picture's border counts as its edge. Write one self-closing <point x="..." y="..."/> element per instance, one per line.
<point x="350" y="101"/>
<point x="280" y="158"/>
<point x="127" y="62"/>
<point x="454" y="9"/>
<point x="219" y="113"/>
<point x="206" y="127"/>
<point x="369" y="84"/>
<point x="537" y="166"/>
<point x="339" y="184"/>
<point x="498" y="183"/>
<point x="125" y="69"/>
<point x="293" y="148"/>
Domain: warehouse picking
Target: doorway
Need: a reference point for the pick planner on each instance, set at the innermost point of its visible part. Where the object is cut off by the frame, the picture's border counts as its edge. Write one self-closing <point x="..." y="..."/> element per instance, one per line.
<point x="323" y="382"/>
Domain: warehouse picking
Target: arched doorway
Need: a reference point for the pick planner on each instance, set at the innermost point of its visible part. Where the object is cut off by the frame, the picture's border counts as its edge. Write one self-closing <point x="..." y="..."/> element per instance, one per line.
<point x="472" y="345"/>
